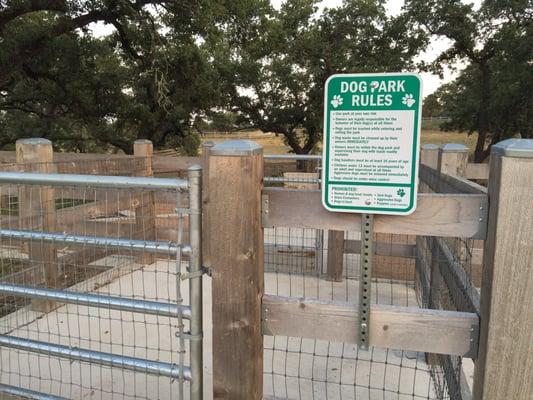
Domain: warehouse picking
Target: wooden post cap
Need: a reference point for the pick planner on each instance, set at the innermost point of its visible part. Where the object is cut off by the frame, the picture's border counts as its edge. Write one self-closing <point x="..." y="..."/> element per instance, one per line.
<point x="521" y="148"/>
<point x="453" y="147"/>
<point x="143" y="141"/>
<point x="430" y="146"/>
<point x="33" y="141"/>
<point x="143" y="147"/>
<point x="236" y="148"/>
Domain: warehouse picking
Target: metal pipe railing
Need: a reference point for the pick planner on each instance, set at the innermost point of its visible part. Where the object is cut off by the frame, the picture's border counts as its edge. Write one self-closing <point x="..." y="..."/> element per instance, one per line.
<point x="97" y="300"/>
<point x="92" y="181"/>
<point x="96" y="357"/>
<point x="124" y="244"/>
<point x="27" y="393"/>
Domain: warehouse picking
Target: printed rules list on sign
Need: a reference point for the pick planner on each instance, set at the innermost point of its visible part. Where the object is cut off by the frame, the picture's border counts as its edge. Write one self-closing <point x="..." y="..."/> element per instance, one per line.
<point x="371" y="143"/>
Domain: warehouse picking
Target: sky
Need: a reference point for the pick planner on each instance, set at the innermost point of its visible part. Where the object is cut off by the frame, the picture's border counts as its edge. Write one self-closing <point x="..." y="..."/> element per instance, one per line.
<point x="431" y="82"/>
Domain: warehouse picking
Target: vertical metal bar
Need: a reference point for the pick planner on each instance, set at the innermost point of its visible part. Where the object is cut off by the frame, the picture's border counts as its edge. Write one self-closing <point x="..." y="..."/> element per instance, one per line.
<point x="195" y="281"/>
<point x="365" y="279"/>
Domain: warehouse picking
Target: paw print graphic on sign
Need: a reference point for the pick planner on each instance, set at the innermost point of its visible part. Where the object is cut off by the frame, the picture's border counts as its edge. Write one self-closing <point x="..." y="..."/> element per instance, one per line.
<point x="400" y="192"/>
<point x="408" y="100"/>
<point x="337" y="101"/>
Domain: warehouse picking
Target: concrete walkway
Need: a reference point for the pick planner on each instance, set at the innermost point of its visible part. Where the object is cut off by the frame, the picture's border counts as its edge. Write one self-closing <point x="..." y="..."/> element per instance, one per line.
<point x="294" y="368"/>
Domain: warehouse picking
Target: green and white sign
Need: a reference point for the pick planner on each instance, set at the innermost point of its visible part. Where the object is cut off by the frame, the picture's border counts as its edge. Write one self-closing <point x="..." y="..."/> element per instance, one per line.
<point x="371" y="143"/>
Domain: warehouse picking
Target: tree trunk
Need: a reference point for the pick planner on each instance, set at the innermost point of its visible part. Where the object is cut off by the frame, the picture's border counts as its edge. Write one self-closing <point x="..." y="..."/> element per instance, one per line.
<point x="483" y="113"/>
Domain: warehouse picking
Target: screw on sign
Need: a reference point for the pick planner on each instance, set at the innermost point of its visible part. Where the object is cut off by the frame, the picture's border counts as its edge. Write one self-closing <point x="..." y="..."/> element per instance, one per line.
<point x="371" y="143"/>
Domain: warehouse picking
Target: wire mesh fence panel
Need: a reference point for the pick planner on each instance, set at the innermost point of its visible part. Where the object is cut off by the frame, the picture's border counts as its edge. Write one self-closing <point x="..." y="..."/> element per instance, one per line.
<point x="298" y="368"/>
<point x="408" y="271"/>
<point x="448" y="278"/>
<point x="120" y="344"/>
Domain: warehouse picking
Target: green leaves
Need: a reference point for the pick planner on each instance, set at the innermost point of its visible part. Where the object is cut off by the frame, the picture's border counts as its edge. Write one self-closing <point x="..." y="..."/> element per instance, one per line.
<point x="277" y="76"/>
<point x="172" y="67"/>
<point x="492" y="96"/>
<point x="149" y="79"/>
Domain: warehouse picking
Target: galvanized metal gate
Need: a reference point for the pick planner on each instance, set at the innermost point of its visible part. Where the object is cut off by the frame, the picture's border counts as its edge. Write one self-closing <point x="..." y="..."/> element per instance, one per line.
<point x="157" y="317"/>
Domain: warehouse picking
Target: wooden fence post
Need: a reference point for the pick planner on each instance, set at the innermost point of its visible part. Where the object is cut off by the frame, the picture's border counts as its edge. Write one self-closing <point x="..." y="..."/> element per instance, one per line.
<point x="503" y="368"/>
<point x="335" y="257"/>
<point x="206" y="147"/>
<point x="453" y="159"/>
<point x="144" y="148"/>
<point x="429" y="155"/>
<point x="37" y="211"/>
<point x="145" y="213"/>
<point x="235" y="258"/>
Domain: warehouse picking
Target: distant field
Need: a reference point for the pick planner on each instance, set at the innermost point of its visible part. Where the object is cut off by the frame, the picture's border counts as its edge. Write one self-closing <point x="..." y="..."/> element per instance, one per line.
<point x="438" y="137"/>
<point x="273" y="144"/>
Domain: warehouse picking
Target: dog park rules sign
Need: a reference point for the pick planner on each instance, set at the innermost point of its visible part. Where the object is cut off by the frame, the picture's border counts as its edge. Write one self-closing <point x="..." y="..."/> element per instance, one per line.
<point x="371" y="143"/>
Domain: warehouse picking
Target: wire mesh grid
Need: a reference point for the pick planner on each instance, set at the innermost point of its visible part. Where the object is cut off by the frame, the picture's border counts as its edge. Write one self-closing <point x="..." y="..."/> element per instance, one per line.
<point x="127" y="273"/>
<point x="449" y="278"/>
<point x="280" y="170"/>
<point x="296" y="265"/>
<point x="296" y="368"/>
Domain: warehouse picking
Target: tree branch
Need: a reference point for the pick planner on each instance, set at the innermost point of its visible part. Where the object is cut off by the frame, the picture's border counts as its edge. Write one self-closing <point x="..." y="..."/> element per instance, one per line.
<point x="64" y="25"/>
<point x="11" y="13"/>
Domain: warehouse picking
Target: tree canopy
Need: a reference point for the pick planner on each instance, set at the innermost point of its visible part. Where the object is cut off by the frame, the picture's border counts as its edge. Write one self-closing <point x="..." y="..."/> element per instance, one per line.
<point x="146" y="80"/>
<point x="492" y="96"/>
<point x="171" y="68"/>
<point x="275" y="67"/>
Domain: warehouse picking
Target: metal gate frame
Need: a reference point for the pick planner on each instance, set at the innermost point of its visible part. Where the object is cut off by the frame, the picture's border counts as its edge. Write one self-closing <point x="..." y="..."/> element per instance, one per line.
<point x="192" y="312"/>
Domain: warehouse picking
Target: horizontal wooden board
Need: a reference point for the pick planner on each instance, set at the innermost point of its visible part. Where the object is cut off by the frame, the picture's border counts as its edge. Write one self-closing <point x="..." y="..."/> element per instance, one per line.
<point x="403" y="328"/>
<point x="457" y="184"/>
<point x="477" y="171"/>
<point x="443" y="183"/>
<point x="165" y="164"/>
<point x="10" y="157"/>
<point x="453" y="215"/>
